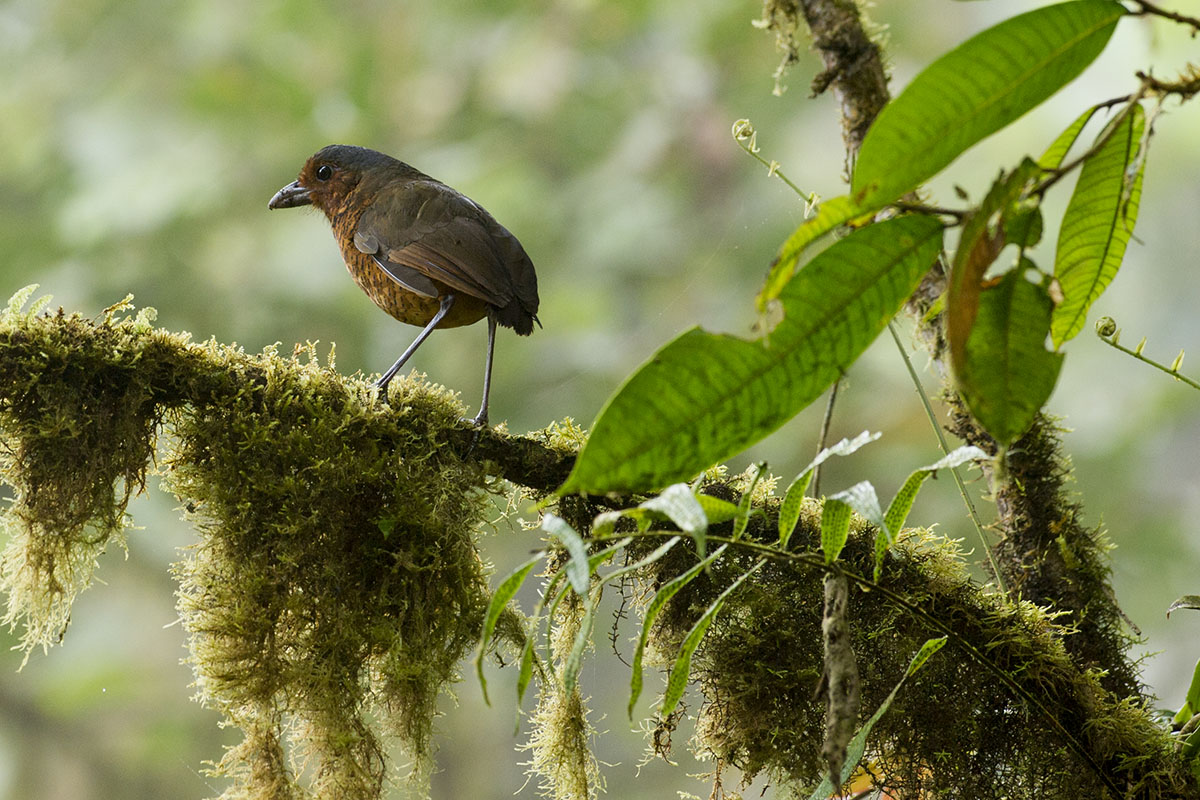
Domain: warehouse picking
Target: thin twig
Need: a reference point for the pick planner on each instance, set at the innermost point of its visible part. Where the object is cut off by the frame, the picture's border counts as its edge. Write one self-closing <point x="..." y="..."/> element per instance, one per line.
<point x="1106" y="329"/>
<point x="1151" y="9"/>
<point x="825" y="422"/>
<point x="958" y="479"/>
<point x="1058" y="174"/>
<point x="1186" y="87"/>
<point x="921" y="208"/>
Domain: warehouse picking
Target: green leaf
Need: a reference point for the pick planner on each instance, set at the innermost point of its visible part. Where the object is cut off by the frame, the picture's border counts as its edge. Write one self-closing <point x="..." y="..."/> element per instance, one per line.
<point x="716" y="510"/>
<point x="1008" y="374"/>
<point x="926" y="652"/>
<point x="1187" y="601"/>
<point x="833" y="212"/>
<point x="793" y="500"/>
<point x="570" y="674"/>
<point x="646" y="561"/>
<point x="862" y="499"/>
<point x="1054" y="155"/>
<point x="677" y="681"/>
<point x="705" y="397"/>
<point x="858" y="745"/>
<point x="661" y="598"/>
<point x="745" y="505"/>
<point x="981" y="241"/>
<point x="835" y="528"/>
<point x="975" y="90"/>
<point x="600" y="556"/>
<point x="1098" y="224"/>
<point x="681" y="506"/>
<point x="793" y="503"/>
<point x="578" y="572"/>
<point x="1191" y="749"/>
<point x="902" y="503"/>
<point x="526" y="673"/>
<point x="1191" y="705"/>
<point x="500" y="599"/>
<point x="1024" y="227"/>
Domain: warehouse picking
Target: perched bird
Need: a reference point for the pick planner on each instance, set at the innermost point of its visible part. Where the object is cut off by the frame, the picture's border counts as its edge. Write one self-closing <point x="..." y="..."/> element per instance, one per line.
<point x="425" y="253"/>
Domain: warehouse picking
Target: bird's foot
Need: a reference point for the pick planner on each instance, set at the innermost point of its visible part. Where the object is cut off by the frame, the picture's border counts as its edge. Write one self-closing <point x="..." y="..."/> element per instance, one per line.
<point x="382" y="397"/>
<point x="479" y="422"/>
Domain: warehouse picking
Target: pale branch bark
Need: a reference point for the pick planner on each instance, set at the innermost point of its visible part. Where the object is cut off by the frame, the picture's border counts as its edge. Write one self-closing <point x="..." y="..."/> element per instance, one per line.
<point x="853" y="66"/>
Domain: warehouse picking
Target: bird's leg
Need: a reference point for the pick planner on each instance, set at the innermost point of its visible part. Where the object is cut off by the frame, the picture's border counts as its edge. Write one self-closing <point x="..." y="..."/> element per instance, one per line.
<point x="386" y="378"/>
<point x="481" y="419"/>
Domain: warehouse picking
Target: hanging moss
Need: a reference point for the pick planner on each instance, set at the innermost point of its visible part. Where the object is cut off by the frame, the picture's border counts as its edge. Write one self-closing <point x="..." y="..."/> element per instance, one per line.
<point x="335" y="575"/>
<point x="79" y="430"/>
<point x="335" y="585"/>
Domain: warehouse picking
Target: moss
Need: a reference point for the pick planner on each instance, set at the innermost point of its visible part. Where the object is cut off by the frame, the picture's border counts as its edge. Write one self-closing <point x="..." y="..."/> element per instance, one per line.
<point x="334" y="574"/>
<point x="954" y="730"/>
<point x="559" y="744"/>
<point x="335" y="585"/>
<point x="1049" y="556"/>
<point x="78" y="435"/>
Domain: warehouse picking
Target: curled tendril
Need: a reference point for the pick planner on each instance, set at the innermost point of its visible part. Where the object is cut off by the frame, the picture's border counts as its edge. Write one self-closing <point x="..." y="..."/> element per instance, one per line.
<point x="1106" y="327"/>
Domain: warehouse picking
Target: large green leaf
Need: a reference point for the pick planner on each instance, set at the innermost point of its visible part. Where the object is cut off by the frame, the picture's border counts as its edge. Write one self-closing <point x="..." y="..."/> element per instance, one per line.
<point x="705" y="397"/>
<point x="982" y="239"/>
<point x="1008" y="374"/>
<point x="1098" y="223"/>
<point x="1058" y="149"/>
<point x="974" y="91"/>
<point x="831" y="213"/>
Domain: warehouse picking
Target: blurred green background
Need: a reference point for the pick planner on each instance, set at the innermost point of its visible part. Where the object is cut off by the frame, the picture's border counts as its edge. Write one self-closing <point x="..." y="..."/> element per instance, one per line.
<point x="142" y="141"/>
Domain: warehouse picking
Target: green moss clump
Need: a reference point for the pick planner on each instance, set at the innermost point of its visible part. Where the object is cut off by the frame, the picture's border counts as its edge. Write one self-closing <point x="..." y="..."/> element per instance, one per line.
<point x="77" y="433"/>
<point x="336" y="584"/>
<point x="336" y="575"/>
<point x="954" y="731"/>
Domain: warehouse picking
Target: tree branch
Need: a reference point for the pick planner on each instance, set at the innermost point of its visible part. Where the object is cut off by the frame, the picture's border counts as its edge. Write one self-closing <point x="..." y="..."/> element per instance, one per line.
<point x="1047" y="554"/>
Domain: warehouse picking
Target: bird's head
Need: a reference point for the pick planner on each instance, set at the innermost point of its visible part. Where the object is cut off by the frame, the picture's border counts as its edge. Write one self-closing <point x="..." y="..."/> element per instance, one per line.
<point x="332" y="174"/>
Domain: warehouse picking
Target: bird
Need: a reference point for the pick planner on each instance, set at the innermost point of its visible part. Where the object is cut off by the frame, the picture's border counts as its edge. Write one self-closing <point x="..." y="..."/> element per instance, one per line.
<point x="425" y="253"/>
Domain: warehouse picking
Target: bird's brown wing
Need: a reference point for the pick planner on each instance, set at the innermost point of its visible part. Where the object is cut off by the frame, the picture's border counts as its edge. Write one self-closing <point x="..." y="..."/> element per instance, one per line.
<point x="423" y="231"/>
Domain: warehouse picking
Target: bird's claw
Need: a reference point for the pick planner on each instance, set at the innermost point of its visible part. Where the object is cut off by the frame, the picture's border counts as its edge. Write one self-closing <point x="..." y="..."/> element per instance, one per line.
<point x="478" y="422"/>
<point x="382" y="396"/>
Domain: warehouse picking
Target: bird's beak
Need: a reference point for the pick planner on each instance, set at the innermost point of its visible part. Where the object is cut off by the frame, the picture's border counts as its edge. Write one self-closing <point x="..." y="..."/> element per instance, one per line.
<point x="290" y="196"/>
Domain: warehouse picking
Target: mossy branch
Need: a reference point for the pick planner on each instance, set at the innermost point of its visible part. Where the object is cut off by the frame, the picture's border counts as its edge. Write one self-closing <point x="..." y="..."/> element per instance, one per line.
<point x="336" y="586"/>
<point x="336" y="579"/>
<point x="1002" y="711"/>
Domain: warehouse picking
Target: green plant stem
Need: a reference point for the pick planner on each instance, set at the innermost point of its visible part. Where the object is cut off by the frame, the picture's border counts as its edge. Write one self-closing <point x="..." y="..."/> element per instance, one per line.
<point x="825" y="423"/>
<point x="937" y="429"/>
<point x="1112" y="342"/>
<point x="748" y="144"/>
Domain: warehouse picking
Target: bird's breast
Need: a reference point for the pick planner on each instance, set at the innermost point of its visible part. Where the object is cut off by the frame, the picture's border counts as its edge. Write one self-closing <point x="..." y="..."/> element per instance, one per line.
<point x="402" y="304"/>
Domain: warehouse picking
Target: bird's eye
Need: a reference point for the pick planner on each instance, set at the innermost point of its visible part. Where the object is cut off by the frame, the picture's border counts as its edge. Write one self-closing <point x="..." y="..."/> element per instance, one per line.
<point x="324" y="172"/>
